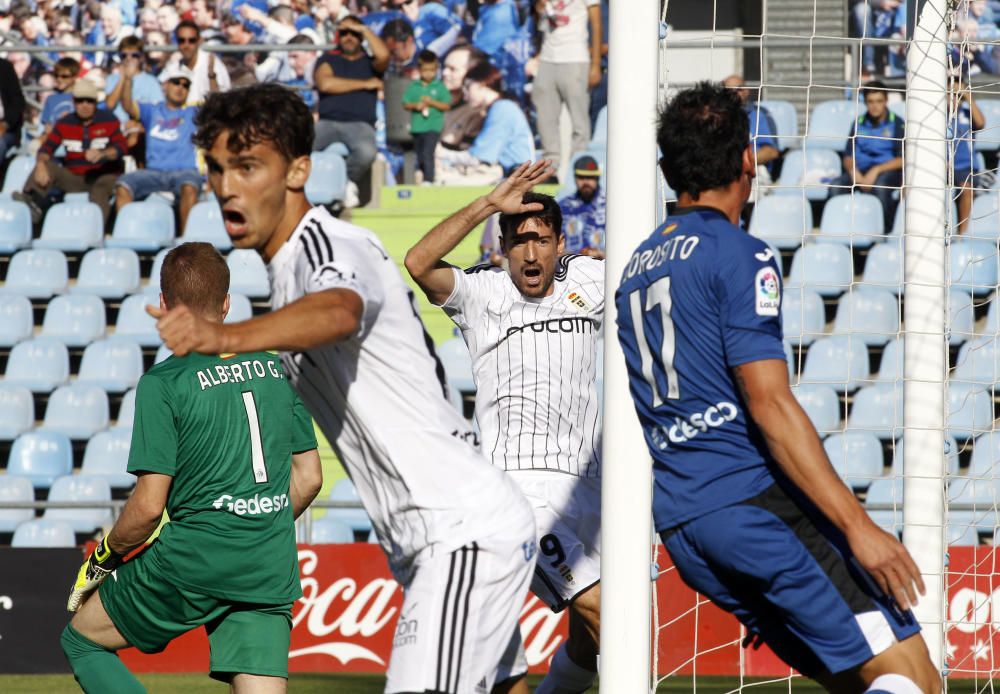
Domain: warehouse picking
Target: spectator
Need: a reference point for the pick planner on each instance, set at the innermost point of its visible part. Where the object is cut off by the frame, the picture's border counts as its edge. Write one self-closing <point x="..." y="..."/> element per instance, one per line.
<point x="873" y="161"/>
<point x="60" y="103"/>
<point x="208" y="72"/>
<point x="427" y="98"/>
<point x="170" y="156"/>
<point x="12" y="104"/>
<point x="168" y="19"/>
<point x="111" y="34"/>
<point x="348" y="81"/>
<point x="240" y="66"/>
<point x="278" y="24"/>
<point x="463" y="122"/>
<point x="145" y="87"/>
<point x="567" y="68"/>
<point x="965" y="119"/>
<point x="435" y="28"/>
<point x="498" y="21"/>
<point x="155" y="60"/>
<point x="762" y="131"/>
<point x="599" y="94"/>
<point x="147" y="22"/>
<point x="203" y="15"/>
<point x="94" y="149"/>
<point x="504" y="142"/>
<point x="327" y="14"/>
<point x="584" y="212"/>
<point x="397" y="34"/>
<point x="294" y="69"/>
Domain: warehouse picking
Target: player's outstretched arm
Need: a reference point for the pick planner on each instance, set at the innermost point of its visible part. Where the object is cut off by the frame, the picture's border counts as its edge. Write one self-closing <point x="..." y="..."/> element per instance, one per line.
<point x="796" y="447"/>
<point x="307" y="478"/>
<point x="425" y="261"/>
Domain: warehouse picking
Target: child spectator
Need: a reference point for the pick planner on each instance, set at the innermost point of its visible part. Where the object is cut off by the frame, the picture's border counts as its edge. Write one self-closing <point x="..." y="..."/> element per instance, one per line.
<point x="427" y="98"/>
<point x="61" y="102"/>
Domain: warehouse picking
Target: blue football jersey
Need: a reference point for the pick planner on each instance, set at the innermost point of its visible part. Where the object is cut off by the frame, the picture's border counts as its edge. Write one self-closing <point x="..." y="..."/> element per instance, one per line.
<point x="697" y="298"/>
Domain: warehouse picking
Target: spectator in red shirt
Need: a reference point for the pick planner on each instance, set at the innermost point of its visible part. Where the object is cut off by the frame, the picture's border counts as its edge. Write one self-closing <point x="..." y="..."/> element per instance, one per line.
<point x="94" y="146"/>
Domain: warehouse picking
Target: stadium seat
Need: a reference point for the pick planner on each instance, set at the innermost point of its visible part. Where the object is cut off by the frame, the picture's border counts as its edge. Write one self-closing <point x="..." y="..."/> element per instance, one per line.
<point x="76" y="320"/>
<point x="831" y="123"/>
<point x="17" y="411"/>
<point x="110" y="273"/>
<point x="15" y="489"/>
<point x="803" y="316"/>
<point x="72" y="226"/>
<point x="44" y="533"/>
<point x="856" y="456"/>
<point x="884" y="267"/>
<point x="457" y="362"/>
<point x="887" y="494"/>
<point x="37" y="274"/>
<point x="327" y="181"/>
<point x="41" y="365"/>
<point x="987" y="139"/>
<point x="162" y="353"/>
<point x="373" y="538"/>
<point x="786" y="121"/>
<point x="974" y="265"/>
<point x="840" y="361"/>
<point x="143" y="226"/>
<point x="821" y="405"/>
<point x="154" y="274"/>
<point x="134" y="323"/>
<point x="985" y="461"/>
<point x="77" y="410"/>
<point x="126" y="412"/>
<point x="807" y="170"/>
<point x="853" y="220"/>
<point x="106" y="456"/>
<point x="985" y="222"/>
<point x="961" y="316"/>
<point x="81" y="488"/>
<point x="878" y="409"/>
<point x="782" y="220"/>
<point x="17" y="173"/>
<point x="16" y="319"/>
<point x="900" y="219"/>
<point x="871" y="314"/>
<point x="891" y="367"/>
<point x="961" y="530"/>
<point x="978" y="362"/>
<point x="825" y="268"/>
<point x="330" y="531"/>
<point x="114" y="364"/>
<point x="993" y="316"/>
<point x="41" y="456"/>
<point x="355" y="518"/>
<point x="240" y="308"/>
<point x="970" y="410"/>
<point x="333" y="148"/>
<point x="248" y="274"/>
<point x="951" y="449"/>
<point x="15" y="226"/>
<point x="975" y="501"/>
<point x="204" y="223"/>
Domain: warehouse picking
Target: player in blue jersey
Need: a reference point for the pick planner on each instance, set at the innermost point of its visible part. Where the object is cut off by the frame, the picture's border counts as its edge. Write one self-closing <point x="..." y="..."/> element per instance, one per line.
<point x="745" y="500"/>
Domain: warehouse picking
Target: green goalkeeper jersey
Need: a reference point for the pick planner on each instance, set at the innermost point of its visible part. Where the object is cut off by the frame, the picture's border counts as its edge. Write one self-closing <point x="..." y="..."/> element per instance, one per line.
<point x="225" y="428"/>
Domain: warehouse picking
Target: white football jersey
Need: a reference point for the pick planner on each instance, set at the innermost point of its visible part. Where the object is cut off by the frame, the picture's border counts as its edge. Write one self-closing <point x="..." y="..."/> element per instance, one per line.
<point x="535" y="365"/>
<point x="380" y="399"/>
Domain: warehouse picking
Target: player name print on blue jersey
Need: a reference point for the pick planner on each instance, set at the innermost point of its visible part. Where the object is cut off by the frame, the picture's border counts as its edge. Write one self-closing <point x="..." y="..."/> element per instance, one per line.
<point x="237" y="372"/>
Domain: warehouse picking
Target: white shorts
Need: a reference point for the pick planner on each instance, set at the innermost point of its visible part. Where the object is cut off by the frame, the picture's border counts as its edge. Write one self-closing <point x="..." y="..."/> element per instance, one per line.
<point x="568" y="521"/>
<point x="458" y="627"/>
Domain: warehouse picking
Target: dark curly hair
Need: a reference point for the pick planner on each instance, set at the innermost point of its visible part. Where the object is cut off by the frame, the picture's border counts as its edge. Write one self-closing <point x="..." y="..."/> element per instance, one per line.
<point x="702" y="133"/>
<point x="550" y="214"/>
<point x="255" y="114"/>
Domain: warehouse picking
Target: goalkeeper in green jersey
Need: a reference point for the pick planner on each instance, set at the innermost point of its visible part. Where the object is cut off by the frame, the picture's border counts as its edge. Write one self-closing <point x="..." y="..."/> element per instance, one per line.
<point x="226" y="447"/>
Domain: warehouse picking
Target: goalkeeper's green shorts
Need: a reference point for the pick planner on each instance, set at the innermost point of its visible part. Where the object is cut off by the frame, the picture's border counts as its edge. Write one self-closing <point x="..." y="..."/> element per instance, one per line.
<point x="150" y="610"/>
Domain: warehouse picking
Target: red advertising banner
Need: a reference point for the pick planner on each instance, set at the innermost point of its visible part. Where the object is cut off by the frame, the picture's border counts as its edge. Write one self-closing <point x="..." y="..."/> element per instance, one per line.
<point x="346" y="622"/>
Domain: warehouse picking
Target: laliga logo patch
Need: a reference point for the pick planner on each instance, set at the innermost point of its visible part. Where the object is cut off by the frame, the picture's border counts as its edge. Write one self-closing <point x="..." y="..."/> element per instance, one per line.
<point x="767" y="292"/>
<point x="577" y="302"/>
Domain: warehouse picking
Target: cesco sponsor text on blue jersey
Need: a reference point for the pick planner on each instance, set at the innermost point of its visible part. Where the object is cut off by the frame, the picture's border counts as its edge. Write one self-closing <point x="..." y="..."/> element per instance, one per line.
<point x="683" y="430"/>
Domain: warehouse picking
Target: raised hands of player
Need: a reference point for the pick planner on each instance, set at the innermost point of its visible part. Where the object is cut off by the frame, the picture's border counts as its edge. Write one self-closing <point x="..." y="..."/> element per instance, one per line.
<point x="184" y="331"/>
<point x="506" y="197"/>
<point x="889" y="563"/>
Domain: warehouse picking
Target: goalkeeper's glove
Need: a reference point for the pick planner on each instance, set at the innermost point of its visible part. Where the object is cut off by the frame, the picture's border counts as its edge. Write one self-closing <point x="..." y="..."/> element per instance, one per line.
<point x="99" y="564"/>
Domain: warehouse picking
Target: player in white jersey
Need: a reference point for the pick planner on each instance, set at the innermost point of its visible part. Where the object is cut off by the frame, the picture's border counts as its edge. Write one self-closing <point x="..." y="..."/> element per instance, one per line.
<point x="533" y="330"/>
<point x="459" y="535"/>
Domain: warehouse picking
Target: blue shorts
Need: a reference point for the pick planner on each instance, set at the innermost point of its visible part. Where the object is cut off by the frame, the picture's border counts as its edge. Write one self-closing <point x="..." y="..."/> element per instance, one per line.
<point x="962" y="174"/>
<point x="790" y="581"/>
<point x="143" y="182"/>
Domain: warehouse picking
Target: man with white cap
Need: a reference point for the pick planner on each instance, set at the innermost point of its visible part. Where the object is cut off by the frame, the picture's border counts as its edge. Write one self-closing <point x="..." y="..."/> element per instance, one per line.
<point x="170" y="154"/>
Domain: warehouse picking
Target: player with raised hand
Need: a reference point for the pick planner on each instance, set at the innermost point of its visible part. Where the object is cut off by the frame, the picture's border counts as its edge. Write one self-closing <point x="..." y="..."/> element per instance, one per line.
<point x="226" y="447"/>
<point x="533" y="331"/>
<point x="745" y="500"/>
<point x="458" y="533"/>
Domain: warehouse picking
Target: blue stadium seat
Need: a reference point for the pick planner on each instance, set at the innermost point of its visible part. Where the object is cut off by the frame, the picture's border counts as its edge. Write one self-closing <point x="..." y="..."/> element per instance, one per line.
<point x="338" y="148"/>
<point x="884" y="267"/>
<point x="327" y="181"/>
<point x="974" y="265"/>
<point x="988" y="139"/>
<point x="457" y="362"/>
<point x="961" y="530"/>
<point x="240" y="308"/>
<point x="856" y="456"/>
<point x="81" y="488"/>
<point x="821" y="405"/>
<point x="41" y="365"/>
<point x="356" y="518"/>
<point x="154" y="274"/>
<point x="41" y="456"/>
<point x="126" y="412"/>
<point x="803" y="316"/>
<point x="886" y="492"/>
<point x="985" y="461"/>
<point x="248" y="274"/>
<point x="330" y="531"/>
<point x="17" y="411"/>
<point x="878" y="409"/>
<point x="985" y="222"/>
<point x="106" y="456"/>
<point x="900" y="219"/>
<point x="18" y="171"/>
<point x="162" y="353"/>
<point x="37" y="274"/>
<point x="204" y="223"/>
<point x="890" y="369"/>
<point x="76" y="320"/>
<point x="134" y="323"/>
<point x="44" y="533"/>
<point x="114" y="364"/>
<point x="110" y="273"/>
<point x="143" y="226"/>
<point x="77" y="410"/>
<point x="871" y="314"/>
<point x="831" y="123"/>
<point x="962" y="316"/>
<point x="826" y="268"/>
<point x="978" y="362"/>
<point x="14" y="489"/>
<point x="853" y="220"/>
<point x="17" y="322"/>
<point x="76" y="198"/>
<point x="951" y="449"/>
<point x="15" y="226"/>
<point x="976" y="502"/>
<point x="970" y="410"/>
<point x="72" y="226"/>
<point x="806" y="170"/>
<point x="786" y="121"/>
<point x="373" y="538"/>
<point x="840" y="361"/>
<point x="782" y="220"/>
